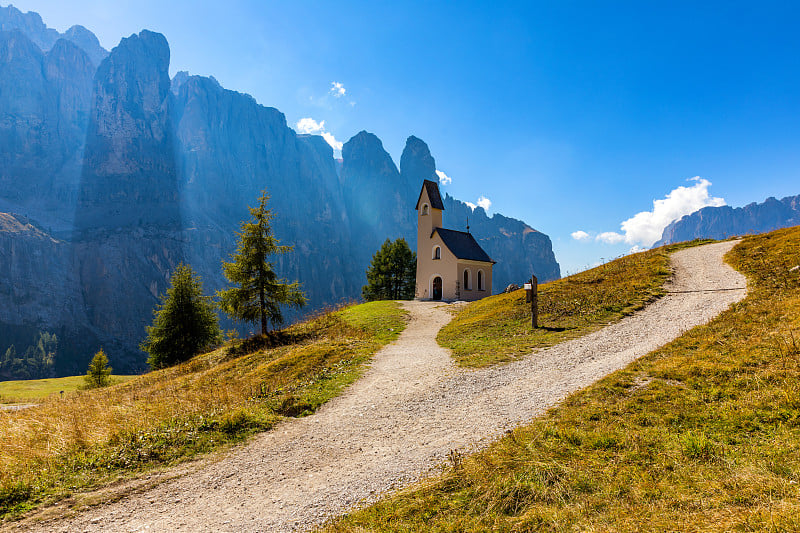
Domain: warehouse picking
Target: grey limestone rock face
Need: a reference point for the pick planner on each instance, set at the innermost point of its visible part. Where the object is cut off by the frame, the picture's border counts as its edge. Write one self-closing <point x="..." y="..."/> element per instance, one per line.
<point x="128" y="230"/>
<point x="124" y="173"/>
<point x="417" y="163"/>
<point x="378" y="198"/>
<point x="39" y="292"/>
<point x="44" y="107"/>
<point x="31" y="24"/>
<point x="723" y="222"/>
<point x="230" y="149"/>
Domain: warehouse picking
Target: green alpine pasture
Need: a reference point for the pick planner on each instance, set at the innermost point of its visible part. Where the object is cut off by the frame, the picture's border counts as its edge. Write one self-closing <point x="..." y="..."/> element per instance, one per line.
<point x="700" y="435"/>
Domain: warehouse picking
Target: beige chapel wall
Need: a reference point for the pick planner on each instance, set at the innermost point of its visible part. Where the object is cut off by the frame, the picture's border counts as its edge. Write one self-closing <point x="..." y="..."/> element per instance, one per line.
<point x="451" y="271"/>
<point x="473" y="293"/>
<point x="428" y="268"/>
<point x="448" y="267"/>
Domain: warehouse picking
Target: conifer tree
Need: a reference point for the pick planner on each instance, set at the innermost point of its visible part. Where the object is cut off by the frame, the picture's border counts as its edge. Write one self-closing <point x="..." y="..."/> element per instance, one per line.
<point x="392" y="273"/>
<point x="259" y="293"/>
<point x="184" y="324"/>
<point x="98" y="374"/>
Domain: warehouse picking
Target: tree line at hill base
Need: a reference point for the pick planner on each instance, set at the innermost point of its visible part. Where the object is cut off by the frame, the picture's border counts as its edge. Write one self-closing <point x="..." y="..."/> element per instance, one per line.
<point x="36" y="361"/>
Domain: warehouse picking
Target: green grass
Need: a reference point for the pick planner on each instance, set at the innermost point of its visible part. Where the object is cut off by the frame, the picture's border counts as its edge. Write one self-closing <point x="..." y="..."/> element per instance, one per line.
<point x="36" y="390"/>
<point x="498" y="328"/>
<point x="700" y="435"/>
<point x="90" y="438"/>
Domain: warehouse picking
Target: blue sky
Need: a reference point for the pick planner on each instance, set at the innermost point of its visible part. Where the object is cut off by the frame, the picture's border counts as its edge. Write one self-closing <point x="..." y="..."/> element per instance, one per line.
<point x="573" y="116"/>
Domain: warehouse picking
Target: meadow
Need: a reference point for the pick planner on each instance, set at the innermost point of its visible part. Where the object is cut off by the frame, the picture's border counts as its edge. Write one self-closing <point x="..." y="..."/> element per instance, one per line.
<point x="498" y="329"/>
<point x="90" y="438"/>
<point x="37" y="390"/>
<point x="702" y="434"/>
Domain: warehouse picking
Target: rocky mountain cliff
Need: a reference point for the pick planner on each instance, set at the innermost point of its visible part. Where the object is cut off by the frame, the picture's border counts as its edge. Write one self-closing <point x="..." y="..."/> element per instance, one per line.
<point x="118" y="174"/>
<point x="31" y="24"/>
<point x="44" y="110"/>
<point x="723" y="222"/>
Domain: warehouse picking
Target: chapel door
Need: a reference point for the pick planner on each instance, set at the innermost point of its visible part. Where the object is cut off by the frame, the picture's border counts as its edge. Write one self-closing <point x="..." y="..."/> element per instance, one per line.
<point x="437" y="288"/>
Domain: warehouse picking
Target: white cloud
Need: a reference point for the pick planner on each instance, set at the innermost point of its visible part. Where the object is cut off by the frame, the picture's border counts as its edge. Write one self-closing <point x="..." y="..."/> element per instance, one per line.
<point x="643" y="229"/>
<point x="444" y="179"/>
<point x="610" y="237"/>
<point x="309" y="125"/>
<point x="580" y="235"/>
<point x="337" y="89"/>
<point x="332" y="140"/>
<point x="483" y="202"/>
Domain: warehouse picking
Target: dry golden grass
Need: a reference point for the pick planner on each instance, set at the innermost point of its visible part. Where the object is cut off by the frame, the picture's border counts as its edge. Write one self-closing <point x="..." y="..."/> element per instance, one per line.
<point x="498" y="328"/>
<point x="91" y="437"/>
<point x="700" y="435"/>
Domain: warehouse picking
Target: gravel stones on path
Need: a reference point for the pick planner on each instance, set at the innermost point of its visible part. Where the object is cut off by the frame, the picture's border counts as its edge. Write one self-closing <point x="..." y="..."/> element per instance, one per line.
<point x="403" y="417"/>
<point x="17" y="407"/>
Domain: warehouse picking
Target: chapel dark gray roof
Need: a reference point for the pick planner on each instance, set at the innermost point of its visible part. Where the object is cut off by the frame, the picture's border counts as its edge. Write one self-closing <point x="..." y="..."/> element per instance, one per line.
<point x="433" y="194"/>
<point x="463" y="245"/>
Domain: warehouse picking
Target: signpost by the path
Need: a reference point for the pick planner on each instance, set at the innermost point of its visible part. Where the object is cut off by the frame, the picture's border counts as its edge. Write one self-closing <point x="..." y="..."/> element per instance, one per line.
<point x="532" y="297"/>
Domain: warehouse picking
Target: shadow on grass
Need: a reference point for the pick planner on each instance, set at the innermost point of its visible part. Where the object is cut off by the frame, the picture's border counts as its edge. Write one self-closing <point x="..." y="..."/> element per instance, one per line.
<point x="273" y="339"/>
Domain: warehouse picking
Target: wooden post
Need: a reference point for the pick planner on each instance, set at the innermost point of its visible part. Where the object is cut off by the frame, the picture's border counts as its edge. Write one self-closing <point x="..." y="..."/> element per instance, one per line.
<point x="534" y="302"/>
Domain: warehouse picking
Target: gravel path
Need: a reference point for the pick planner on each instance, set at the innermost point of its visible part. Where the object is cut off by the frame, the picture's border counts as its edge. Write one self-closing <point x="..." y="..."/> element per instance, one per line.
<point x="17" y="407"/>
<point x="403" y="417"/>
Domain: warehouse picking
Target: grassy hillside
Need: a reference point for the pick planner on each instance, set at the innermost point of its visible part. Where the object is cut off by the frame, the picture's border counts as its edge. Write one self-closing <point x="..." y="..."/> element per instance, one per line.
<point x="92" y="437"/>
<point x="700" y="435"/>
<point x="498" y="328"/>
<point x="36" y="390"/>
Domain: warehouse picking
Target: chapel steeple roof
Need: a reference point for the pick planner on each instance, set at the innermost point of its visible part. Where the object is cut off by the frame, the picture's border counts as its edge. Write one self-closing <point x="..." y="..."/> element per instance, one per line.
<point x="433" y="194"/>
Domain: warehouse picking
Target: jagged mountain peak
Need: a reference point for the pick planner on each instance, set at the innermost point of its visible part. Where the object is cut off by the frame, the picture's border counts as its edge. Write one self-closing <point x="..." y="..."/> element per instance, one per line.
<point x="136" y="72"/>
<point x="88" y="41"/>
<point x="65" y="50"/>
<point x="363" y="138"/>
<point x="417" y="163"/>
<point x="364" y="154"/>
<point x="149" y="43"/>
<point x="29" y="23"/>
<point x="16" y="45"/>
<point x="726" y="221"/>
<point x="45" y="38"/>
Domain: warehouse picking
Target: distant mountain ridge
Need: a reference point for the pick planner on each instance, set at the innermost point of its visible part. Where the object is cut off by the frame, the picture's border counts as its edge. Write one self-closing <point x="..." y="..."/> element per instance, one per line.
<point x="34" y="28"/>
<point x="725" y="221"/>
<point x="125" y="173"/>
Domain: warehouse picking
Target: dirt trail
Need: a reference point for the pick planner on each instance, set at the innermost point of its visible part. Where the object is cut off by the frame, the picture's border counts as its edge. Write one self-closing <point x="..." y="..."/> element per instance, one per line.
<point x="403" y="417"/>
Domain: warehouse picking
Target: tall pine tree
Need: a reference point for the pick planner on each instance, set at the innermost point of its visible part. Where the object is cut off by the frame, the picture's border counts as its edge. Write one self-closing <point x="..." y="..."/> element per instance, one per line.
<point x="259" y="293"/>
<point x="392" y="273"/>
<point x="185" y="322"/>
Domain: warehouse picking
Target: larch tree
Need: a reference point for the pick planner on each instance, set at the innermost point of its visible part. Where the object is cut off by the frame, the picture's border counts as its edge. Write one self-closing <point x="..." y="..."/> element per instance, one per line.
<point x="392" y="273"/>
<point x="185" y="322"/>
<point x="99" y="373"/>
<point x="258" y="293"/>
